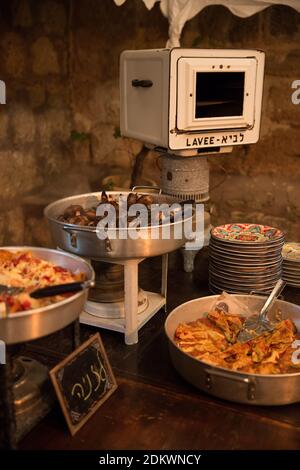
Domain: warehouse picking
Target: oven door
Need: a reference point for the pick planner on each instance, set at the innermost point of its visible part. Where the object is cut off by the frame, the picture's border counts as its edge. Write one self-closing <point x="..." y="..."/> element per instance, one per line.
<point x="215" y="93"/>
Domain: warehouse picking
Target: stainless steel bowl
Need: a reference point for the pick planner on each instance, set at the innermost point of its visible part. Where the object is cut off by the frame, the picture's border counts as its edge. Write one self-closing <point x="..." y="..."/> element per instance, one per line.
<point x="83" y="240"/>
<point x="32" y="324"/>
<point x="256" y="389"/>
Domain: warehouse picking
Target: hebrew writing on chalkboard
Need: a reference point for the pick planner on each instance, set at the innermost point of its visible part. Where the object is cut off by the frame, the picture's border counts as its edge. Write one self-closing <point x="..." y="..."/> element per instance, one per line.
<point x="83" y="381"/>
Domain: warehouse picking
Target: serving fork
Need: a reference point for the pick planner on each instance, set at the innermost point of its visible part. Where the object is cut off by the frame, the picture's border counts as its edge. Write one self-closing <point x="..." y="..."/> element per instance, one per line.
<point x="257" y="325"/>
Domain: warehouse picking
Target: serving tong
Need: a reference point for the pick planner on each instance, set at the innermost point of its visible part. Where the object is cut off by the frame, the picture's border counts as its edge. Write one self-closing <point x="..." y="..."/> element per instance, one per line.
<point x="48" y="291"/>
<point x="257" y="325"/>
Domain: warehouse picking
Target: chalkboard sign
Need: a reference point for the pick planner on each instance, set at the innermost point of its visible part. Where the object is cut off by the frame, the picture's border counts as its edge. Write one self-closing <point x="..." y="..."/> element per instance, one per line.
<point x="82" y="382"/>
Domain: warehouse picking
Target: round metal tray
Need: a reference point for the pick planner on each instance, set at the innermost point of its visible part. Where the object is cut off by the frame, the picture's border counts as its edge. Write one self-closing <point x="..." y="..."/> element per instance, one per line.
<point x="256" y="389"/>
<point x="32" y="324"/>
<point x="84" y="241"/>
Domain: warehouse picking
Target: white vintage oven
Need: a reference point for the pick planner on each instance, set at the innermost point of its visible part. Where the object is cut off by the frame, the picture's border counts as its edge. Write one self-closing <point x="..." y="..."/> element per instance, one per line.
<point x="192" y="101"/>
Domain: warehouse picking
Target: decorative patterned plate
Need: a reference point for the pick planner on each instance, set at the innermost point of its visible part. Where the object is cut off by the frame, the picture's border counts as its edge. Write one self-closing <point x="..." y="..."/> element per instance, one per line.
<point x="243" y="285"/>
<point x="244" y="256"/>
<point x="293" y="269"/>
<point x="237" y="290"/>
<point x="247" y="233"/>
<point x="296" y="280"/>
<point x="255" y="248"/>
<point x="235" y="261"/>
<point x="244" y="269"/>
<point x="291" y="251"/>
<point x="242" y="277"/>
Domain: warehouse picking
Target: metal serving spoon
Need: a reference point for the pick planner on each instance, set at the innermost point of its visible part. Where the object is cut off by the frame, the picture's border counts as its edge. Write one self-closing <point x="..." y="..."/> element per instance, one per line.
<point x="257" y="325"/>
<point x="48" y="291"/>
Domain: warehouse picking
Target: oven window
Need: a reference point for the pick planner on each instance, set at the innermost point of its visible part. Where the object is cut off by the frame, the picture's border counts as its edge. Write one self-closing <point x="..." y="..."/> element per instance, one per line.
<point x="219" y="94"/>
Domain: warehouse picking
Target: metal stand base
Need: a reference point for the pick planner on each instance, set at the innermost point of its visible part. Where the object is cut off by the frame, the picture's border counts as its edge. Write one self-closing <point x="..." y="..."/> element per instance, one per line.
<point x="115" y="309"/>
<point x="133" y="321"/>
<point x="33" y="394"/>
<point x="8" y="436"/>
<point x="26" y="394"/>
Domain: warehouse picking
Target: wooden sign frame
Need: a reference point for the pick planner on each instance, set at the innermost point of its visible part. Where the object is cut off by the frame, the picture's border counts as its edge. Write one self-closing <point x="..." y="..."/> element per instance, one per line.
<point x="59" y="369"/>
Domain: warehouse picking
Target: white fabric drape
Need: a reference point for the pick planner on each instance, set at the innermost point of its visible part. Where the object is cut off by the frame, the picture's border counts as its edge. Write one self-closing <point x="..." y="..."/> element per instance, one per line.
<point x="179" y="12"/>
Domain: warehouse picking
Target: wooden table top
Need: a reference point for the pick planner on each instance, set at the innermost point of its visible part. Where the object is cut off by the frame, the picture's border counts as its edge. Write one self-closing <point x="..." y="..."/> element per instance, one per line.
<point x="153" y="407"/>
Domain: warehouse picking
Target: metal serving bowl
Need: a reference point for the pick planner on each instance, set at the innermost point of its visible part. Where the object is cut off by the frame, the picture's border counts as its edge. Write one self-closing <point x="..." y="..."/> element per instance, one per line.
<point x="256" y="389"/>
<point x="83" y="240"/>
<point x="32" y="324"/>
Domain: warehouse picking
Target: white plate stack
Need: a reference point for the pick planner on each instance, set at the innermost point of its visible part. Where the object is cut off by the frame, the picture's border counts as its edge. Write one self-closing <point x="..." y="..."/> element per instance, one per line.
<point x="291" y="264"/>
<point x="244" y="257"/>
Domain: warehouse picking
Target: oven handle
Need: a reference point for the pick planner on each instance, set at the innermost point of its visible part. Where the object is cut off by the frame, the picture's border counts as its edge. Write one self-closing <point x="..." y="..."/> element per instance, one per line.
<point x="155" y="189"/>
<point x="142" y="83"/>
<point x="224" y="375"/>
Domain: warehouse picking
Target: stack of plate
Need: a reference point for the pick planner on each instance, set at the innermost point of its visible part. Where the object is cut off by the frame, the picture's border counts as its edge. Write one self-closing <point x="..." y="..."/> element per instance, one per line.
<point x="244" y="257"/>
<point x="291" y="264"/>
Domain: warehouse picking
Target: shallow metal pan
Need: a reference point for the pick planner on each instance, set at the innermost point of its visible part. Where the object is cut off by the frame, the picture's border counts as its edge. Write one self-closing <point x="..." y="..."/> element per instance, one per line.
<point x="84" y="241"/>
<point x="234" y="386"/>
<point x="33" y="324"/>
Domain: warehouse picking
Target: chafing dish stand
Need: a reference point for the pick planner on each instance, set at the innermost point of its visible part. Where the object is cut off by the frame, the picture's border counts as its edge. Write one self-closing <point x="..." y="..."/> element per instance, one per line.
<point x="132" y="322"/>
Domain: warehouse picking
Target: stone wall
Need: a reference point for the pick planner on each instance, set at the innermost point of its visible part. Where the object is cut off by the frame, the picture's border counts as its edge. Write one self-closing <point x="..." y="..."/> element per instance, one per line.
<point x="59" y="131"/>
<point x="36" y="122"/>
